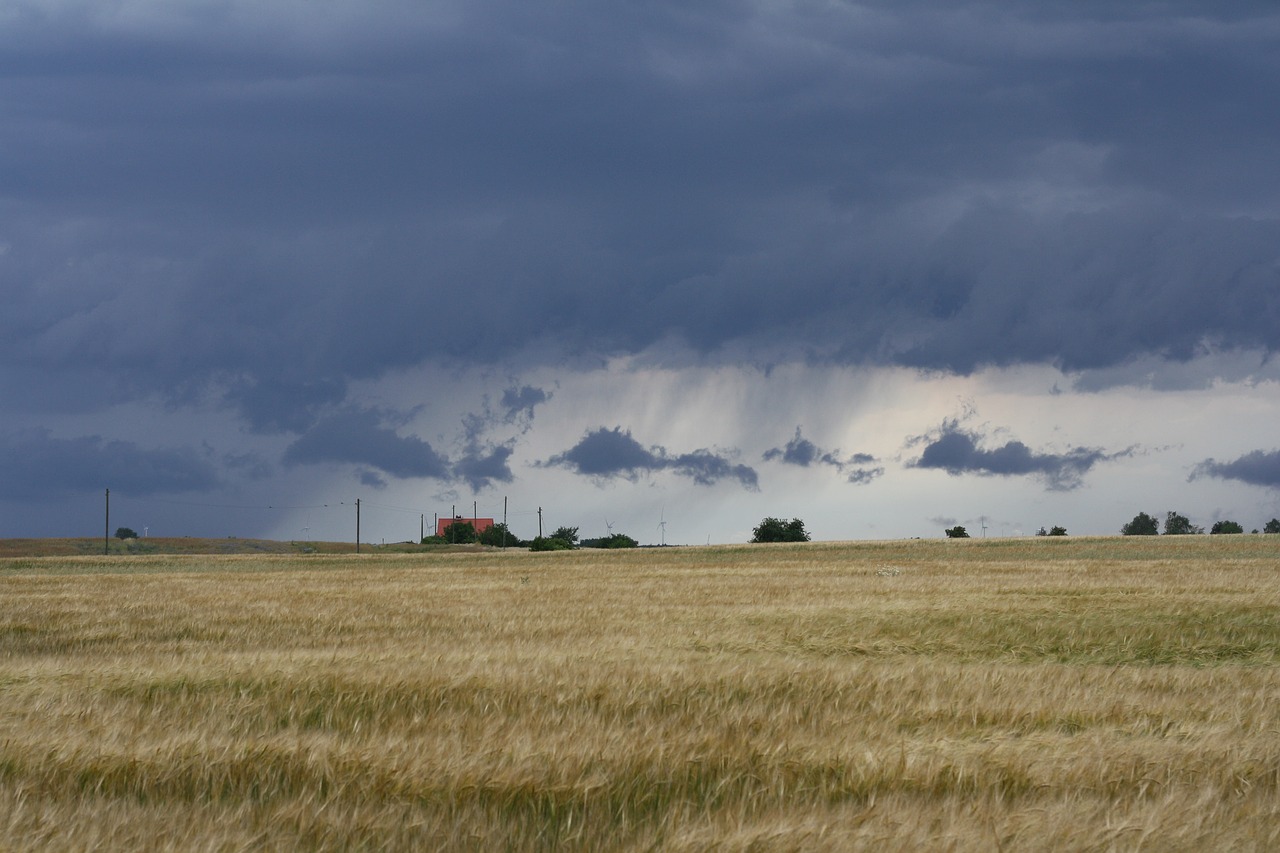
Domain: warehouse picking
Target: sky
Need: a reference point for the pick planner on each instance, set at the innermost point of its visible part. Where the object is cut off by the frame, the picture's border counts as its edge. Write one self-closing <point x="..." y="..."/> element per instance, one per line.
<point x="658" y="268"/>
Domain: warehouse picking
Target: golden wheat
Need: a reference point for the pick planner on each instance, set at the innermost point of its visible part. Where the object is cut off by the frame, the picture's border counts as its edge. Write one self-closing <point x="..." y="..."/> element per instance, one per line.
<point x="1106" y="694"/>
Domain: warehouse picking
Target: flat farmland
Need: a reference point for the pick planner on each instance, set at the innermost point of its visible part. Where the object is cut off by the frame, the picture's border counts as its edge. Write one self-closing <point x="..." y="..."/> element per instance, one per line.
<point x="1018" y="694"/>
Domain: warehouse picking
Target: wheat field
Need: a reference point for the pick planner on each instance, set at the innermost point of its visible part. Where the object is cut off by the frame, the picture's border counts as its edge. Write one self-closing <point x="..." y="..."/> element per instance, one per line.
<point x="1021" y="694"/>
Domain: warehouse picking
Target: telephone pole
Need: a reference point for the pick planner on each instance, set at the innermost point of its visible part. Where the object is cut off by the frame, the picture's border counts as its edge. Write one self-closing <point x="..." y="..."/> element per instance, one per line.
<point x="106" y="528"/>
<point x="357" y="525"/>
<point x="539" y="522"/>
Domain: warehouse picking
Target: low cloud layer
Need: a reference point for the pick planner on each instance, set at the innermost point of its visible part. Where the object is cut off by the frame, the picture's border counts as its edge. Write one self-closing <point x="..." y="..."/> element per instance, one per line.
<point x="360" y="438"/>
<point x="958" y="451"/>
<point x="1259" y="468"/>
<point x="608" y="453"/>
<point x="38" y="466"/>
<point x="858" y="469"/>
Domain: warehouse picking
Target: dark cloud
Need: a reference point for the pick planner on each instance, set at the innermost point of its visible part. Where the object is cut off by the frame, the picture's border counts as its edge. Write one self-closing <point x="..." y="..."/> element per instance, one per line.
<point x="606" y="453"/>
<point x="39" y="466"/>
<point x="270" y="405"/>
<point x="862" y="476"/>
<point x="956" y="451"/>
<point x="1259" y="468"/>
<point x="800" y="451"/>
<point x="804" y="453"/>
<point x="273" y="209"/>
<point x="373" y="480"/>
<point x="250" y="465"/>
<point x="193" y="196"/>
<point x="518" y="403"/>
<point x="358" y="437"/>
<point x="481" y="468"/>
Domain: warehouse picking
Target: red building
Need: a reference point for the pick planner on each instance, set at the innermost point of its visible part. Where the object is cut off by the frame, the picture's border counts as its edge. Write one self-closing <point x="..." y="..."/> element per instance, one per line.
<point x="480" y="524"/>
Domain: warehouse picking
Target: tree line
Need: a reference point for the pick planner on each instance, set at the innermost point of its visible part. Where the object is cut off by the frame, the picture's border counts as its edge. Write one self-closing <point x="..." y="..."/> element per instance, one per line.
<point x="1177" y="524"/>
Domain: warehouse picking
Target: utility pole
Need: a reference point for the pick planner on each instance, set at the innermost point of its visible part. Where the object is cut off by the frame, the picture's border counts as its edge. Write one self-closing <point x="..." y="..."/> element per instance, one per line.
<point x="357" y="525"/>
<point x="453" y="519"/>
<point x="504" y="522"/>
<point x="422" y="526"/>
<point x="539" y="522"/>
<point x="106" y="527"/>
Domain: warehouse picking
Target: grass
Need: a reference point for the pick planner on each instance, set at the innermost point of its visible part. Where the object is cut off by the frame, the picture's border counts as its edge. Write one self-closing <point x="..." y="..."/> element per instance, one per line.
<point x="1029" y="694"/>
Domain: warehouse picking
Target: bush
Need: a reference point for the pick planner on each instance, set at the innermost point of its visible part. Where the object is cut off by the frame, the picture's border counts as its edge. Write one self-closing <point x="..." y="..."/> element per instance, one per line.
<point x="617" y="540"/>
<point x="1058" y="531"/>
<point x="126" y="533"/>
<point x="1272" y="526"/>
<point x="548" y="543"/>
<point x="776" y="530"/>
<point x="1142" y="525"/>
<point x="1226" y="527"/>
<point x="957" y="532"/>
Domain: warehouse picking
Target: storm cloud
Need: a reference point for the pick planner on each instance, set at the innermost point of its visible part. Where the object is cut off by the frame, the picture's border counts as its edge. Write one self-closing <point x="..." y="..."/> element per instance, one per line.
<point x="957" y="451"/>
<point x="287" y="199"/>
<point x="607" y="453"/>
<point x="281" y="223"/>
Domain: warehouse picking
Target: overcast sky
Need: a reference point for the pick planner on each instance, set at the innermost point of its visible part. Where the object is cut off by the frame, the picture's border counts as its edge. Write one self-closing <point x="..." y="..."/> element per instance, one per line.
<point x="886" y="267"/>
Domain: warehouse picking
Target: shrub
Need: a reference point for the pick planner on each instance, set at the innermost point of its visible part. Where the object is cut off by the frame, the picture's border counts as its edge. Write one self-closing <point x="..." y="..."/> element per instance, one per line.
<point x="957" y="532"/>
<point x="549" y="543"/>
<point x="126" y="533"/>
<point x="617" y="540"/>
<point x="1226" y="527"/>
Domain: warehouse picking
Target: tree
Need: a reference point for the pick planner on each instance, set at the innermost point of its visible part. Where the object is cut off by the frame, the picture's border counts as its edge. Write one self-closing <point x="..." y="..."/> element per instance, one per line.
<point x="1272" y="526"/>
<point x="776" y="530"/>
<point x="957" y="532"/>
<point x="1179" y="525"/>
<point x="460" y="533"/>
<point x="498" y="536"/>
<point x="1142" y="525"/>
<point x="1058" y="531"/>
<point x="126" y="533"/>
<point x="1226" y="527"/>
<point x="566" y="534"/>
